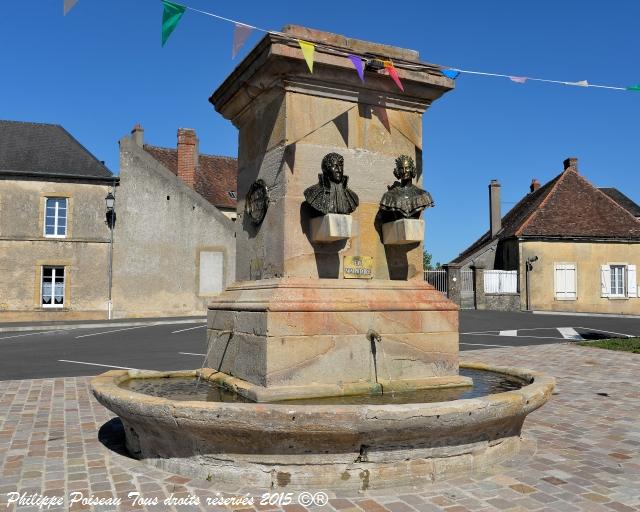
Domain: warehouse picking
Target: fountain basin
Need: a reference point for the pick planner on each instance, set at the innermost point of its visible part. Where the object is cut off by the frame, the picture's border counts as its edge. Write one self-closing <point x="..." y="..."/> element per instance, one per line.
<point x="346" y="447"/>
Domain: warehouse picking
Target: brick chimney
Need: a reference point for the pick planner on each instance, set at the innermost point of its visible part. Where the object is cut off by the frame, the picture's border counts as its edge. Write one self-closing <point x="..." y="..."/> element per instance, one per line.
<point x="188" y="156"/>
<point x="495" y="217"/>
<point x="535" y="185"/>
<point x="137" y="134"/>
<point x="571" y="162"/>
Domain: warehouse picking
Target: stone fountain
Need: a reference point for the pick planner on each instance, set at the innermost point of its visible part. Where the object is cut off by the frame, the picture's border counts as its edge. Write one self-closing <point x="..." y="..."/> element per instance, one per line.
<point x="330" y="299"/>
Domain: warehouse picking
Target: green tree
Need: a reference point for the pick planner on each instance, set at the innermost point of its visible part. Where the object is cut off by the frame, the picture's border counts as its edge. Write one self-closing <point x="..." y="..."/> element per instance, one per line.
<point x="426" y="262"/>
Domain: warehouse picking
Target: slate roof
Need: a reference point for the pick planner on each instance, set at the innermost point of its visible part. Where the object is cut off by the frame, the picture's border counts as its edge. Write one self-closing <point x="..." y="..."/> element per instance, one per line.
<point x="567" y="207"/>
<point x="622" y="200"/>
<point x="46" y="150"/>
<point x="216" y="179"/>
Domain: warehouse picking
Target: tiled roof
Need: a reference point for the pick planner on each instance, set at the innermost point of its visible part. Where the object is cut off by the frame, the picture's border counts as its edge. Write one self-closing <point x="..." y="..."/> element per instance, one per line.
<point x="216" y="181"/>
<point x="567" y="207"/>
<point x="36" y="149"/>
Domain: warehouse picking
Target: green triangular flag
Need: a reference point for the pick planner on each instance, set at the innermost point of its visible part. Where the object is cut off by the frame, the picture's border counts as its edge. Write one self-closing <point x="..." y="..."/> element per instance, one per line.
<point x="633" y="88"/>
<point x="170" y="18"/>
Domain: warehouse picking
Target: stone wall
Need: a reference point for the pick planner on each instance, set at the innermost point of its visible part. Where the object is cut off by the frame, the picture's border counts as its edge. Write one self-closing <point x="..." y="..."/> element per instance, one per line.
<point x="502" y="301"/>
<point x="165" y="234"/>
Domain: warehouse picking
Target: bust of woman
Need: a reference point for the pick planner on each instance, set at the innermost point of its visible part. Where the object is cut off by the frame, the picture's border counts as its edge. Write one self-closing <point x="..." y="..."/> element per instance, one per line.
<point x="403" y="200"/>
<point x="331" y="194"/>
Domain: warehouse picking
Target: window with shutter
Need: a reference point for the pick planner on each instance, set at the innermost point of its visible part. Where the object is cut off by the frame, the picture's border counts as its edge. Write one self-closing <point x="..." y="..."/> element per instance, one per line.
<point x="565" y="281"/>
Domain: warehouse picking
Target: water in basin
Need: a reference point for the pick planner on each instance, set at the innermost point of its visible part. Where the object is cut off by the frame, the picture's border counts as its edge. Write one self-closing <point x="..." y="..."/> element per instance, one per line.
<point x="184" y="388"/>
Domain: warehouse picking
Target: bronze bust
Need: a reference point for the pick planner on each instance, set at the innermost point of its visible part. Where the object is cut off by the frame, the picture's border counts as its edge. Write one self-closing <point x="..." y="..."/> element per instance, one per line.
<point x="331" y="194"/>
<point x="404" y="200"/>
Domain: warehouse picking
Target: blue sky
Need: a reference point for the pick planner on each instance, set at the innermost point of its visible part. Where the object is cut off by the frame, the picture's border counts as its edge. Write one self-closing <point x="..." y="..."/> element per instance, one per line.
<point x="101" y="69"/>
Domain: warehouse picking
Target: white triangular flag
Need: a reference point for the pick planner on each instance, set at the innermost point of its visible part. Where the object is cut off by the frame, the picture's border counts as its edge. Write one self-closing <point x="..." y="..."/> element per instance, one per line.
<point x="68" y="5"/>
<point x="581" y="83"/>
<point x="240" y="34"/>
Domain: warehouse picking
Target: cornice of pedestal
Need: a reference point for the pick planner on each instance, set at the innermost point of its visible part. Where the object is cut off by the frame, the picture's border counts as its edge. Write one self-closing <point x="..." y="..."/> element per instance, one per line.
<point x="277" y="63"/>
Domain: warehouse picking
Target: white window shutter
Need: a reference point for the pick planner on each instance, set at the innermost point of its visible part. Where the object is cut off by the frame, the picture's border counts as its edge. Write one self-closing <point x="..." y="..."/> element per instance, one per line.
<point x="605" y="280"/>
<point x="570" y="281"/>
<point x="632" y="286"/>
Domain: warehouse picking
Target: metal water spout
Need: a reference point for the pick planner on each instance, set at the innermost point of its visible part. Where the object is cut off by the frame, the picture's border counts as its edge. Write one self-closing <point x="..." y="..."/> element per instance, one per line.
<point x="374" y="337"/>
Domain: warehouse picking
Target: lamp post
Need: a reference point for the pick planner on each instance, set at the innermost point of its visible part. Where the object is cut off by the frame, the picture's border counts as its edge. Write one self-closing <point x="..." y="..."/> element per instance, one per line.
<point x="528" y="268"/>
<point x="110" y="202"/>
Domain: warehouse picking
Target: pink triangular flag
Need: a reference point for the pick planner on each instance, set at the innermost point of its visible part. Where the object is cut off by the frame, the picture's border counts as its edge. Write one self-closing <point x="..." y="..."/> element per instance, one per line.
<point x="68" y="5"/>
<point x="357" y="63"/>
<point x="518" y="79"/>
<point x="240" y="35"/>
<point x="393" y="74"/>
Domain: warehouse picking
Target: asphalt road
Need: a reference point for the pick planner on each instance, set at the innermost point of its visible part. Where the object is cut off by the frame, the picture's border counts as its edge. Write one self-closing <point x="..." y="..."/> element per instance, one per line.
<point x="90" y="351"/>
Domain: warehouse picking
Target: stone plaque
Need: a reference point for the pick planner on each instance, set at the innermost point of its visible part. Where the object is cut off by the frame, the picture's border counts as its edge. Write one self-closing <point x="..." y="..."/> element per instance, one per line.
<point x="257" y="202"/>
<point x="358" y="267"/>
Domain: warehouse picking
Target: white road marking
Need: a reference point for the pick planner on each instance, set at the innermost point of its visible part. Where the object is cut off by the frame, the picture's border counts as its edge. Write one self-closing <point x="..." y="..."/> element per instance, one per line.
<point x="483" y="345"/>
<point x="521" y="336"/>
<point x="96" y="364"/>
<point x="189" y="329"/>
<point x="508" y="333"/>
<point x="570" y="333"/>
<point x="30" y="334"/>
<point x="481" y="332"/>
<point x="607" y="332"/>
<point x="191" y="354"/>
<point x="113" y="330"/>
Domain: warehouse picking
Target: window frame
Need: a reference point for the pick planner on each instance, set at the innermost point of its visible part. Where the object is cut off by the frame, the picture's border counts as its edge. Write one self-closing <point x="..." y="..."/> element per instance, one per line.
<point x="624" y="277"/>
<point x="56" y="217"/>
<point x="53" y="268"/>
<point x="563" y="266"/>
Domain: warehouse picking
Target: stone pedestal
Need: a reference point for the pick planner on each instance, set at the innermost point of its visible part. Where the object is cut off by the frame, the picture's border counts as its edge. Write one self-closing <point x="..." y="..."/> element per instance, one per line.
<point x="403" y="232"/>
<point x="331" y="227"/>
<point x="292" y="325"/>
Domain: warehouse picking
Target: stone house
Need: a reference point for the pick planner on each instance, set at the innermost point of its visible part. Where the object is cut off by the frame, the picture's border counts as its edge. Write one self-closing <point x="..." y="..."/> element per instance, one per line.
<point x="54" y="243"/>
<point x="173" y="244"/>
<point x="574" y="248"/>
<point x="174" y="240"/>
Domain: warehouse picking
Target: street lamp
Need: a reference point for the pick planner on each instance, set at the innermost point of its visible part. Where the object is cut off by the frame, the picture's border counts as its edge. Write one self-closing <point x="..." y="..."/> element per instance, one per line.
<point x="110" y="202"/>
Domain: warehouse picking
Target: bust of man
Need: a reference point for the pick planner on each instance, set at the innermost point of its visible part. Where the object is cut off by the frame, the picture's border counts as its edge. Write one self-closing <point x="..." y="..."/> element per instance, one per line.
<point x="331" y="194"/>
<point x="403" y="200"/>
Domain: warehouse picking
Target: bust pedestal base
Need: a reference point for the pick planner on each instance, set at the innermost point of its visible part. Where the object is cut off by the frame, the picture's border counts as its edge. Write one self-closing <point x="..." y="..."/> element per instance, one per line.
<point x="403" y="231"/>
<point x="331" y="227"/>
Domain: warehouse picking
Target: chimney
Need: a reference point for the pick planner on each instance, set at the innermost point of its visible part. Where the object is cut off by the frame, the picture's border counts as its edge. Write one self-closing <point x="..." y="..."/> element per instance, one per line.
<point x="188" y="158"/>
<point x="571" y="162"/>
<point x="535" y="185"/>
<point x="137" y="134"/>
<point x="495" y="218"/>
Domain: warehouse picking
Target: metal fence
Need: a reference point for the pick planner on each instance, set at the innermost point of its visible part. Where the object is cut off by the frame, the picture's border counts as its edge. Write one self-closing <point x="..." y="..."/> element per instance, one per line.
<point x="437" y="278"/>
<point x="467" y="280"/>
<point x="500" y="281"/>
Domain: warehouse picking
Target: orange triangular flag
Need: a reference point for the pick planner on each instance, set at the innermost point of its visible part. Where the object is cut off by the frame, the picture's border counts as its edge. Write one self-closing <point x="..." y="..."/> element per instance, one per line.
<point x="308" y="50"/>
<point x="393" y="74"/>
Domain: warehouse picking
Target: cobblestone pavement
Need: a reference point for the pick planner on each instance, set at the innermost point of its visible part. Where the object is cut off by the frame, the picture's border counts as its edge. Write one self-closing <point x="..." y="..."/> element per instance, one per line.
<point x="587" y="454"/>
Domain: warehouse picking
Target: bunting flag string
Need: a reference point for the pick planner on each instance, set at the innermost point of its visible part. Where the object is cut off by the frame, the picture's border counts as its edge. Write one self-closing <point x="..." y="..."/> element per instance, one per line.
<point x="68" y="5"/>
<point x="173" y="12"/>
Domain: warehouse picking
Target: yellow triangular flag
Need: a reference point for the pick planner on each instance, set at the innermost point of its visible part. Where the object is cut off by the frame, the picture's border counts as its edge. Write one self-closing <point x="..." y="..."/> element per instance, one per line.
<point x="307" y="50"/>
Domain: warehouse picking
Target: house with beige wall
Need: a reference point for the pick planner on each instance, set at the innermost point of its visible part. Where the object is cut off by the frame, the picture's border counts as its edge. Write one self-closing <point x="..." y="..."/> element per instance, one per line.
<point x="573" y="246"/>
<point x="173" y="244"/>
<point x="54" y="243"/>
<point x="174" y="240"/>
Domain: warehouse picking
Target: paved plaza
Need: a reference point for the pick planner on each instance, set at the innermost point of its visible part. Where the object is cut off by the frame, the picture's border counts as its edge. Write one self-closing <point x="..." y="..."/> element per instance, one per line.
<point x="582" y="449"/>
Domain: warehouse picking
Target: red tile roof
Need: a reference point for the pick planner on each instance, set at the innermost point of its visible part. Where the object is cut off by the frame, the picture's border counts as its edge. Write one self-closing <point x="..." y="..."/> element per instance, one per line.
<point x="216" y="181"/>
<point x="567" y="207"/>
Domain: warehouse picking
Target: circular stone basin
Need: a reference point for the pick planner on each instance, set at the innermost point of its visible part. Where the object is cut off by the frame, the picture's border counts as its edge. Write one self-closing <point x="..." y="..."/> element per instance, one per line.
<point x="322" y="445"/>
